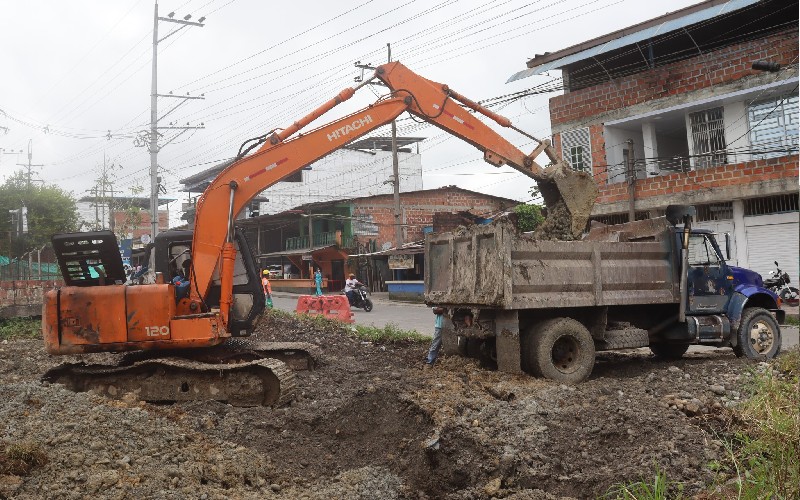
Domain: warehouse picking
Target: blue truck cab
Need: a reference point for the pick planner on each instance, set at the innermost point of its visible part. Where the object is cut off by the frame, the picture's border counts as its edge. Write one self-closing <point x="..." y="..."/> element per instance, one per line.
<point x="725" y="305"/>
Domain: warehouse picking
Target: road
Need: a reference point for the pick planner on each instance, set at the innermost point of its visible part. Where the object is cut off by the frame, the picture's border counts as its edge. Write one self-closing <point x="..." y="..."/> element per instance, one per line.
<point x="420" y="318"/>
<point x="405" y="316"/>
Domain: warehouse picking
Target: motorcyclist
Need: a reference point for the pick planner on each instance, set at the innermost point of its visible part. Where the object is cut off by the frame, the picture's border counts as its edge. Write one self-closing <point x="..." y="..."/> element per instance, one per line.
<point x="350" y="286"/>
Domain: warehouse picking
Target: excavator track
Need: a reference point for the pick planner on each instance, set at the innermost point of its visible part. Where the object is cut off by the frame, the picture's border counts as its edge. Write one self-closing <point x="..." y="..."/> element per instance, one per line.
<point x="298" y="355"/>
<point x="241" y="372"/>
<point x="266" y="382"/>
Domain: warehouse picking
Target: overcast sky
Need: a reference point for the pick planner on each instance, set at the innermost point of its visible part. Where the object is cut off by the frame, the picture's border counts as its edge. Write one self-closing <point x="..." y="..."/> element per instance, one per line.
<point x="71" y="71"/>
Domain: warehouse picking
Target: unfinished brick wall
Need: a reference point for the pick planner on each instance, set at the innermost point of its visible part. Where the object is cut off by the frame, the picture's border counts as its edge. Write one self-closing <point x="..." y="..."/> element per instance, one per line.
<point x="708" y="178"/>
<point x="726" y="64"/>
<point x="419" y="207"/>
<point x="23" y="297"/>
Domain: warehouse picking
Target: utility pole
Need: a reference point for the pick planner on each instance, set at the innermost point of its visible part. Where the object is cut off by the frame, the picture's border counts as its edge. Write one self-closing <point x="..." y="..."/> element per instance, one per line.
<point x="29" y="165"/>
<point x="153" y="136"/>
<point x="631" y="169"/>
<point x="398" y="228"/>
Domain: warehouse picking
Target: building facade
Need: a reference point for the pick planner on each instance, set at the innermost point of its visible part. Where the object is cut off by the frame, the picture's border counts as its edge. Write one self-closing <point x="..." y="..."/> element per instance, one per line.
<point x="699" y="107"/>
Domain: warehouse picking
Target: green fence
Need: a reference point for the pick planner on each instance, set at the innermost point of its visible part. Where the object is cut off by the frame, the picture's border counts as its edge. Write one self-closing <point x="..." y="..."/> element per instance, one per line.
<point x="33" y="267"/>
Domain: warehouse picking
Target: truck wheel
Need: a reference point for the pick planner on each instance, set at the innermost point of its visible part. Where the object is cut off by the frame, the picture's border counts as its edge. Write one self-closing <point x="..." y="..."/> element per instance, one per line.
<point x="669" y="351"/>
<point x="560" y="349"/>
<point x="759" y="336"/>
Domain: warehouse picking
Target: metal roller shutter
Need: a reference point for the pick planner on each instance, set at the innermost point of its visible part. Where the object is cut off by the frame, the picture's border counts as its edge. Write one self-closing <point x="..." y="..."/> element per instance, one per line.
<point x="774" y="237"/>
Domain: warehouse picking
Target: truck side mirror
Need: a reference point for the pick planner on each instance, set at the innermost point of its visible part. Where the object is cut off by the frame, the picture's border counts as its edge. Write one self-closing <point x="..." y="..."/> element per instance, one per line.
<point x="727" y="246"/>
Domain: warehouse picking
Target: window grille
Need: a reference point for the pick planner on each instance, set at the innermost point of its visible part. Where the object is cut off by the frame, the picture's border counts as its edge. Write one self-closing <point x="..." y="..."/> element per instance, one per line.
<point x="614" y="219"/>
<point x="771" y="205"/>
<point x="708" y="137"/>
<point x="576" y="149"/>
<point x="773" y="127"/>
<point x="714" y="211"/>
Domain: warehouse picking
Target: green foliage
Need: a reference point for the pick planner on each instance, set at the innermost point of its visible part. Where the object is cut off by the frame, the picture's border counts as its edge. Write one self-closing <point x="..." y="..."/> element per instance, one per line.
<point x="389" y="333"/>
<point x="659" y="489"/>
<point x="50" y="210"/>
<point x="20" y="328"/>
<point x="765" y="449"/>
<point x="132" y="215"/>
<point x="529" y="217"/>
<point x="791" y="320"/>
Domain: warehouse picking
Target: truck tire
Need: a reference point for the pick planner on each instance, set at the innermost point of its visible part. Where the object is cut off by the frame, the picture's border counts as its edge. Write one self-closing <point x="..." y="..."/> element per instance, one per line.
<point x="669" y="351"/>
<point x="559" y="349"/>
<point x="759" y="336"/>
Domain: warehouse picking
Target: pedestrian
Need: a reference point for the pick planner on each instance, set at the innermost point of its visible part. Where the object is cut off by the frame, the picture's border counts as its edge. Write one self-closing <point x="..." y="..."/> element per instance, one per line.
<point x="267" y="288"/>
<point x="436" y="343"/>
<point x="318" y="282"/>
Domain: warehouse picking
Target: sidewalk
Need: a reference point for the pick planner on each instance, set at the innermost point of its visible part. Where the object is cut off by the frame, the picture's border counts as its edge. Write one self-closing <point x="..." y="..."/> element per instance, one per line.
<point x="377" y="297"/>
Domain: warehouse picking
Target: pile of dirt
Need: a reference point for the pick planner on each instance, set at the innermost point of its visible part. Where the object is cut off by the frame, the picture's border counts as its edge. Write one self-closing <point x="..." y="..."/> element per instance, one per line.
<point x="370" y="422"/>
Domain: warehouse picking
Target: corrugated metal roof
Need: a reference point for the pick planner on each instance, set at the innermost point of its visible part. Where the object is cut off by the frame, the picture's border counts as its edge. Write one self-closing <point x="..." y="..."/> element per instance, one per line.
<point x="646" y="33"/>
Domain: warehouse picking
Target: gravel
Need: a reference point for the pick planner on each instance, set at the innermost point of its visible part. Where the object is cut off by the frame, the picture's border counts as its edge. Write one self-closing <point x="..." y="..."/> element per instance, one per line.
<point x="371" y="423"/>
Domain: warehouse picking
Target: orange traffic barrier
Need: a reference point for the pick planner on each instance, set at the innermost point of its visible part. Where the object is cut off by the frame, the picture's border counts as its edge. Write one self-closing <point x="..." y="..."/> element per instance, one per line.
<point x="330" y="306"/>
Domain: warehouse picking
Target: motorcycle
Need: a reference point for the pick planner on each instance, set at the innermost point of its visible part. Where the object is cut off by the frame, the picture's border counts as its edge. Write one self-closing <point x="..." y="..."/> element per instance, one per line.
<point x="778" y="282"/>
<point x="361" y="298"/>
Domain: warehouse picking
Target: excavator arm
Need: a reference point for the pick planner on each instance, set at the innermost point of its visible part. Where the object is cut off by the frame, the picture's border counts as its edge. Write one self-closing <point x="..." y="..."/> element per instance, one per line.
<point x="281" y="155"/>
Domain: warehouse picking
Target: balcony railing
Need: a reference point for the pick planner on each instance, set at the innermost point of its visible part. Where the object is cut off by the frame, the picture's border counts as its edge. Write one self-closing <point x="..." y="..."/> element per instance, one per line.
<point x="320" y="240"/>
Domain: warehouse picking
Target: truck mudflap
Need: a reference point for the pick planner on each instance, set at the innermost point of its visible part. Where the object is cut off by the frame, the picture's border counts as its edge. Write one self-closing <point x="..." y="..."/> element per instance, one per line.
<point x="265" y="382"/>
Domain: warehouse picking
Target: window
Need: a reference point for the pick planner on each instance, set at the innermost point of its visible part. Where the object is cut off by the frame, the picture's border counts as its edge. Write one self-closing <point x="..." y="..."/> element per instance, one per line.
<point x="701" y="251"/>
<point x="575" y="148"/>
<point x="773" y="127"/>
<point x="708" y="137"/>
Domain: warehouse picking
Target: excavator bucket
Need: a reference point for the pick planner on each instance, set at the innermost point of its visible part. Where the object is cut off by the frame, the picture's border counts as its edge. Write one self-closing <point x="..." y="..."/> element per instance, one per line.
<point x="569" y="197"/>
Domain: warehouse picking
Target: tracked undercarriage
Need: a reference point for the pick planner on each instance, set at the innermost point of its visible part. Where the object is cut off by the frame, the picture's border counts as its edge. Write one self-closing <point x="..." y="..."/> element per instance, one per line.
<point x="240" y="372"/>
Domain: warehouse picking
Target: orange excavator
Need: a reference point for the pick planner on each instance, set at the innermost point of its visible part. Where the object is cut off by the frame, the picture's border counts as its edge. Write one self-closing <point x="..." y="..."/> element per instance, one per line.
<point x="187" y="347"/>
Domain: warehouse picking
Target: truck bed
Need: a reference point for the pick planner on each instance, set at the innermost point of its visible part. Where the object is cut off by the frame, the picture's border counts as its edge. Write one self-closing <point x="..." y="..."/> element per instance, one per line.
<point x="493" y="266"/>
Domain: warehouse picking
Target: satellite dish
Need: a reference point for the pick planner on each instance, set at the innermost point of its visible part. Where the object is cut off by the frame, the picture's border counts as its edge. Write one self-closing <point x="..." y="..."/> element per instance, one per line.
<point x="386" y="246"/>
<point x="145" y="239"/>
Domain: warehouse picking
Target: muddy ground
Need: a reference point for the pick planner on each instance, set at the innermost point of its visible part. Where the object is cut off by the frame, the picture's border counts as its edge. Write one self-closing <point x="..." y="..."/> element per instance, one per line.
<point x="370" y="422"/>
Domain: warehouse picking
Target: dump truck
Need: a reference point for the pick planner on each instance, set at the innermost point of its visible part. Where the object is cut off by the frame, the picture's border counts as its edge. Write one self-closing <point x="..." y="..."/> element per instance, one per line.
<point x="546" y="307"/>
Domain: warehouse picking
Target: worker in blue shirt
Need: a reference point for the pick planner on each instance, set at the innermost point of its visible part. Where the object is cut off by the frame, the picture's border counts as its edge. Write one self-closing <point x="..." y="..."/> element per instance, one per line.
<point x="436" y="343"/>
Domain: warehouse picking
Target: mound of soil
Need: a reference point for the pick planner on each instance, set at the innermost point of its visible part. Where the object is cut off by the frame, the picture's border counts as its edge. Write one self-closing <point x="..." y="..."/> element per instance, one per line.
<point x="370" y="422"/>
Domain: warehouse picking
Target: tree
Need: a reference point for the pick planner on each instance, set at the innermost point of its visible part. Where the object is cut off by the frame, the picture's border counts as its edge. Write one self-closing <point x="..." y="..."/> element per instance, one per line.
<point x="132" y="215"/>
<point x="51" y="210"/>
<point x="529" y="217"/>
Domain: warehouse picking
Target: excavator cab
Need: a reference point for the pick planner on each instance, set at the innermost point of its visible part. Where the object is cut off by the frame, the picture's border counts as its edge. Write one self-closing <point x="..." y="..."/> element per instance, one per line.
<point x="171" y="249"/>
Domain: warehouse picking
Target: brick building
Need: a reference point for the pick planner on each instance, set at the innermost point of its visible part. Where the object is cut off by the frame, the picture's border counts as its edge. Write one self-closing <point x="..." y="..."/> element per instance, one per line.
<point x="128" y="217"/>
<point x="671" y="111"/>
